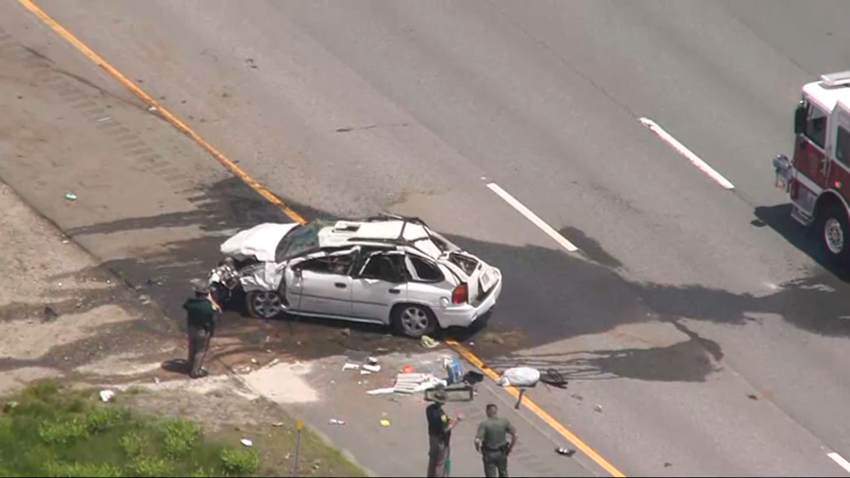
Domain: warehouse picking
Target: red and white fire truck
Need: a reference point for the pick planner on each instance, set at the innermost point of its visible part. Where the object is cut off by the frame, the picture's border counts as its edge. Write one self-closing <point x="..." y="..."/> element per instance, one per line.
<point x="817" y="178"/>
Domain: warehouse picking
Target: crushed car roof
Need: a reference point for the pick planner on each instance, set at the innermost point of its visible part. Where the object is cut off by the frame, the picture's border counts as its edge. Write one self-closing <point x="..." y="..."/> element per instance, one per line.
<point x="262" y="241"/>
<point x="390" y="231"/>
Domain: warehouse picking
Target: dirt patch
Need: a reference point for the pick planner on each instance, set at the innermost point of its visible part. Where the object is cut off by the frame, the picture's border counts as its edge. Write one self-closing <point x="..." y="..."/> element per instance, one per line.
<point x="238" y="416"/>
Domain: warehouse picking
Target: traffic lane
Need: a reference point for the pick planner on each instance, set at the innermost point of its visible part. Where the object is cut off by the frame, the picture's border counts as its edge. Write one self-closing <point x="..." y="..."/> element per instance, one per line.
<point x="693" y="67"/>
<point x="623" y="398"/>
<point x="550" y="133"/>
<point x="656" y="225"/>
<point x="149" y="203"/>
<point x="491" y="104"/>
<point x="274" y="100"/>
<point x="633" y="347"/>
<point x="812" y="35"/>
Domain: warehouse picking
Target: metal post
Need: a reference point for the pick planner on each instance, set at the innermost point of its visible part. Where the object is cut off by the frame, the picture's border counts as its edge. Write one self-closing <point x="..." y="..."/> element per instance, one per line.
<point x="299" y="425"/>
<point x="519" y="398"/>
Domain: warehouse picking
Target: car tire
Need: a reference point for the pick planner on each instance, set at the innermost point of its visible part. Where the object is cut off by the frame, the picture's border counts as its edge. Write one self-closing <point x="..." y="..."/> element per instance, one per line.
<point x="413" y="320"/>
<point x="834" y="233"/>
<point x="263" y="304"/>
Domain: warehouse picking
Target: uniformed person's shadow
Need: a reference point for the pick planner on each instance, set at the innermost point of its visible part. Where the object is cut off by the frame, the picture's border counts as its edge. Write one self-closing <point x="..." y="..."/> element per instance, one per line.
<point x="180" y="366"/>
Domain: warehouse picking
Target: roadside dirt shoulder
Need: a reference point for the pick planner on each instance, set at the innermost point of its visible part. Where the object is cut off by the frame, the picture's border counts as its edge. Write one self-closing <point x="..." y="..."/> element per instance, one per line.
<point x="61" y="316"/>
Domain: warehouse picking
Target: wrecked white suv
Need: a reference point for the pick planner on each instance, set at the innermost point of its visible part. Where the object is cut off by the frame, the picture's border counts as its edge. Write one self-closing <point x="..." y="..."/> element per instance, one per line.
<point x="387" y="270"/>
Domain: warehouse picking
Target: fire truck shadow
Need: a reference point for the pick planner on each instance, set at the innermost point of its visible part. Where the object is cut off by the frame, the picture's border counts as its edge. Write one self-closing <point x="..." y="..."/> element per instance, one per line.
<point x="779" y="219"/>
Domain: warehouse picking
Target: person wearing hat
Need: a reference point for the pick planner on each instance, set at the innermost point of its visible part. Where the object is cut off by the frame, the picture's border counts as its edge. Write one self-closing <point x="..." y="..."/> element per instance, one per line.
<point x="439" y="435"/>
<point x="201" y="317"/>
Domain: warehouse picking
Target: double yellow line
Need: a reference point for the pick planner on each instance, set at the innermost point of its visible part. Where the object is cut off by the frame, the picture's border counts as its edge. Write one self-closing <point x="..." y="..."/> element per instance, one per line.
<point x="272" y="198"/>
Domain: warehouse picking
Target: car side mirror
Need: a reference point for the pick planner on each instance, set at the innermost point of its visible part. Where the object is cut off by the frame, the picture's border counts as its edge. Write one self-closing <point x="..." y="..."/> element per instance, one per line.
<point x="800" y="119"/>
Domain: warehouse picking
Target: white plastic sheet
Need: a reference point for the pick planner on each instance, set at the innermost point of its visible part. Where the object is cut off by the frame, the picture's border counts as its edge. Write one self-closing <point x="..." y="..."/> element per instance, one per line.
<point x="520" y="377"/>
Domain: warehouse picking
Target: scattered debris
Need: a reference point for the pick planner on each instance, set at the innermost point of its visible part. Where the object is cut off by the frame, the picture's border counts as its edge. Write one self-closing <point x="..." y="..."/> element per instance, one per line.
<point x="365" y="372"/>
<point x="407" y="369"/>
<point x="156" y="380"/>
<point x="565" y="451"/>
<point x="106" y="395"/>
<point x="554" y="378"/>
<point x="381" y="391"/>
<point x="597" y="408"/>
<point x="385" y="422"/>
<point x="472" y="377"/>
<point x="667" y="464"/>
<point x="428" y="342"/>
<point x="577" y="397"/>
<point x="752" y="396"/>
<point x="104" y="119"/>
<point x="254" y="361"/>
<point x="372" y="368"/>
<point x="71" y="196"/>
<point x="409" y="383"/>
<point x="144" y="299"/>
<point x="246" y="442"/>
<point x="65" y="241"/>
<point x="454" y="370"/>
<point x="277" y="424"/>
<point x="382" y="350"/>
<point x="350" y="366"/>
<point x="273" y="362"/>
<point x="335" y="421"/>
<point x="372" y="360"/>
<point x="345" y="332"/>
<point x="152" y="108"/>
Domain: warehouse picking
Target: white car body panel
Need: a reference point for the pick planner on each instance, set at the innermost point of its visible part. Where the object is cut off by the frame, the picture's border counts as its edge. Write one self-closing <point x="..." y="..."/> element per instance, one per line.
<point x="371" y="299"/>
<point x="349" y="297"/>
<point x="318" y="294"/>
<point x="259" y="242"/>
<point x="264" y="276"/>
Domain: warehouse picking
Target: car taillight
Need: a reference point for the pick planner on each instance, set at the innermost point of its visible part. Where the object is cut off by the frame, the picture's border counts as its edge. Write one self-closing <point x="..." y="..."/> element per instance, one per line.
<point x="460" y="295"/>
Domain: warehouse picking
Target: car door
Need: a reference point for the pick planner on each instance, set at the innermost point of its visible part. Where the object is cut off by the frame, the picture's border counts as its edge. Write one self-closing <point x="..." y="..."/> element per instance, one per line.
<point x="323" y="285"/>
<point x="380" y="282"/>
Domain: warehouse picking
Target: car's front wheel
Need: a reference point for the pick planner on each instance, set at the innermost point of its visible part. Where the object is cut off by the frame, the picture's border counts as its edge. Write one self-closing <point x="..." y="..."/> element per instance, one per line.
<point x="263" y="304"/>
<point x="413" y="320"/>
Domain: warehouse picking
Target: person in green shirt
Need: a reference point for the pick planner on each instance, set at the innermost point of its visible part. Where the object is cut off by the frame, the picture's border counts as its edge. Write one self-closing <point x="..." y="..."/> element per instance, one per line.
<point x="201" y="317"/>
<point x="492" y="442"/>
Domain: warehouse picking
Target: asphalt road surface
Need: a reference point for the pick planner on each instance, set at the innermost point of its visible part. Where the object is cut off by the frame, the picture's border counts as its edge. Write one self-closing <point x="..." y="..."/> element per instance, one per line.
<point x="698" y="318"/>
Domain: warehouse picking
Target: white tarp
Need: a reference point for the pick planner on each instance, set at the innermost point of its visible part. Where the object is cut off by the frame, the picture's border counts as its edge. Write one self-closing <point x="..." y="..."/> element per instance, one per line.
<point x="520" y="377"/>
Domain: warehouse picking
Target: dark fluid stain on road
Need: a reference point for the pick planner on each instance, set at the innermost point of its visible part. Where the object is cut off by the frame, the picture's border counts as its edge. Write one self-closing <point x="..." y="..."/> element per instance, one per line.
<point x="548" y="295"/>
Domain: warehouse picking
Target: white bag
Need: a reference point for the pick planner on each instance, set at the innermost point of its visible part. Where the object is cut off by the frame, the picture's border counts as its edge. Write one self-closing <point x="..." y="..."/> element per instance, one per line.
<point x="520" y="377"/>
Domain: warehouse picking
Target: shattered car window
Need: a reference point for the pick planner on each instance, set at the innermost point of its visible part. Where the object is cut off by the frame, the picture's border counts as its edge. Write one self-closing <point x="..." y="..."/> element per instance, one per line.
<point x="302" y="239"/>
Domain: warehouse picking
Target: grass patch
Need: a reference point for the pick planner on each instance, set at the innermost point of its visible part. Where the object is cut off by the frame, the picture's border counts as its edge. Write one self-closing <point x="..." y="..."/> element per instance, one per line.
<point x="49" y="430"/>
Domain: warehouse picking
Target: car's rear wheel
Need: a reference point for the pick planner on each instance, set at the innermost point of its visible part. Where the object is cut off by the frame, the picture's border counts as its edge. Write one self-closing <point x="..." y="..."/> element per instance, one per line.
<point x="414" y="320"/>
<point x="263" y="304"/>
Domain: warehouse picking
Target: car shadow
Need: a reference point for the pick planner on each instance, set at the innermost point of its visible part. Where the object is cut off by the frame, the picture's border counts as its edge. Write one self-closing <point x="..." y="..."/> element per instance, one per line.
<point x="548" y="295"/>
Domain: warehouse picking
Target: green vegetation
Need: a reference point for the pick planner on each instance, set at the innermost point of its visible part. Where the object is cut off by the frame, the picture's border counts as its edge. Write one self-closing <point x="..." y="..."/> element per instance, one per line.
<point x="47" y="430"/>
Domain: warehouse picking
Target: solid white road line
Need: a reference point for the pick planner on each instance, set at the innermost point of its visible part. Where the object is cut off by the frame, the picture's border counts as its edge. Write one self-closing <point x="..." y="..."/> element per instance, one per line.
<point x="840" y="461"/>
<point x="561" y="240"/>
<point x="684" y="151"/>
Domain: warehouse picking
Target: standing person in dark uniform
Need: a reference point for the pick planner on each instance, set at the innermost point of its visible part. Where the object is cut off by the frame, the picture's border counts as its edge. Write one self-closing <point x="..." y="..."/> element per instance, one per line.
<point x="439" y="435"/>
<point x="202" y="312"/>
<point x="492" y="442"/>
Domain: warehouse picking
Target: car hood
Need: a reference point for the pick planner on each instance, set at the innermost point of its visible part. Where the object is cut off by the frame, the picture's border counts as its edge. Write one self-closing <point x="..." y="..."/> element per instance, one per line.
<point x="259" y="242"/>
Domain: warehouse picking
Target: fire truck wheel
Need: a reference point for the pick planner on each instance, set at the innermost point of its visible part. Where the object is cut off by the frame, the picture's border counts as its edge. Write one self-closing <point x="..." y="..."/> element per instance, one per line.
<point x="835" y="232"/>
